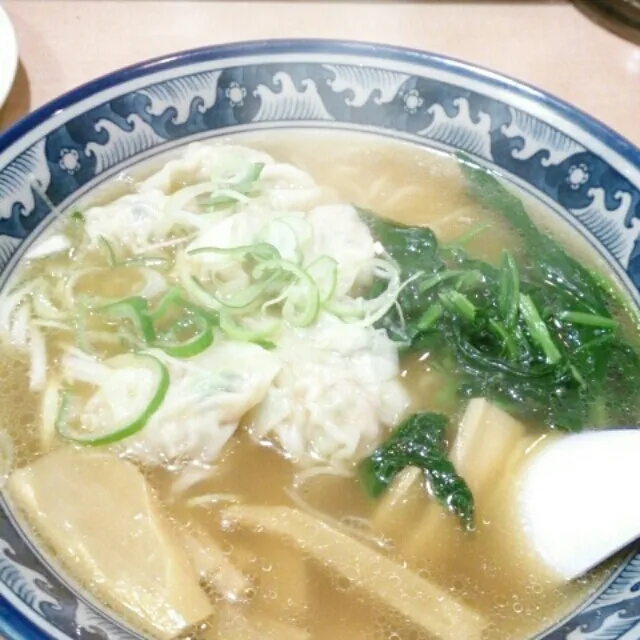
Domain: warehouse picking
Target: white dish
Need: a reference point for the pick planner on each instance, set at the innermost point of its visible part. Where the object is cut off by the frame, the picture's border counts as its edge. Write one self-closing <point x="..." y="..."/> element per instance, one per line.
<point x="8" y="55"/>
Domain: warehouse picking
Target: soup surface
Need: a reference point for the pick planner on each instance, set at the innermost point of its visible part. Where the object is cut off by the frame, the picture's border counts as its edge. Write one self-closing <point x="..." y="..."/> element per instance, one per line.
<point x="248" y="386"/>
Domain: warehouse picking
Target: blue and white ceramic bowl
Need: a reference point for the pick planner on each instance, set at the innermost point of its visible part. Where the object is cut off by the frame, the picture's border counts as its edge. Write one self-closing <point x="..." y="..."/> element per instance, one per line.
<point x="576" y="166"/>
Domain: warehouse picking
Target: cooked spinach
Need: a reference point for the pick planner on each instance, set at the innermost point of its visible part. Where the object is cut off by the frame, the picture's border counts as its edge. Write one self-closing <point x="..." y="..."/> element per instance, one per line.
<point x="419" y="442"/>
<point x="558" y="268"/>
<point x="414" y="249"/>
<point x="535" y="334"/>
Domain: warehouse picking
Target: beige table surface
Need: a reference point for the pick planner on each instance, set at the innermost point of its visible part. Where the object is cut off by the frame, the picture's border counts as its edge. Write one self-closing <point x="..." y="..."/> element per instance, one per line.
<point x="551" y="44"/>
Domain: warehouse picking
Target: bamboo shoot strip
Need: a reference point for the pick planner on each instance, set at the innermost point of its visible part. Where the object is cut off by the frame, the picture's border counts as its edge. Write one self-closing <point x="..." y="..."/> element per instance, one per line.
<point x="235" y="624"/>
<point x="213" y="565"/>
<point x="486" y="437"/>
<point x="401" y="505"/>
<point x="421" y="602"/>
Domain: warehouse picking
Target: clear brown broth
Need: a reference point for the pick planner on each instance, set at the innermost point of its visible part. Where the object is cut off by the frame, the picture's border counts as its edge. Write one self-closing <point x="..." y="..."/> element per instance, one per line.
<point x="517" y="597"/>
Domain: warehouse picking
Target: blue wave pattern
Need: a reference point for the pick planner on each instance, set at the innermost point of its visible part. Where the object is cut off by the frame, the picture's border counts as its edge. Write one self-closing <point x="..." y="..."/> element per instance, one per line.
<point x="213" y="100"/>
<point x="32" y="581"/>
<point x="614" y="613"/>
<point x="451" y="115"/>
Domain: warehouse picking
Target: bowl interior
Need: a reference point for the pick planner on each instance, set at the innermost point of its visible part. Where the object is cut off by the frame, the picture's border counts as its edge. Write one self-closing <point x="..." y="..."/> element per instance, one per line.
<point x="576" y="167"/>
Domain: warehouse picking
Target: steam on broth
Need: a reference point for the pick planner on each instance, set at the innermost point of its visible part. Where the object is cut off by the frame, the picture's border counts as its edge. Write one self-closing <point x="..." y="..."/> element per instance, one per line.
<point x="319" y="413"/>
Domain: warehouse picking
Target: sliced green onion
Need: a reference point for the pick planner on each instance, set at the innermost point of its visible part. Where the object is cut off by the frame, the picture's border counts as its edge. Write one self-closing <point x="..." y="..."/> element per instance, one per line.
<point x="149" y="396"/>
<point x="280" y="234"/>
<point x="252" y="174"/>
<point x="245" y="181"/>
<point x="347" y="309"/>
<point x="226" y="197"/>
<point x="228" y="191"/>
<point x="324" y="272"/>
<point x="253" y="293"/>
<point x="90" y="340"/>
<point x="538" y="329"/>
<point x="302" y="303"/>
<point x="111" y="254"/>
<point x="136" y="310"/>
<point x="302" y="310"/>
<point x="273" y="302"/>
<point x="172" y="297"/>
<point x="195" y="318"/>
<point x="266" y="344"/>
<point x="175" y="296"/>
<point x="211" y="316"/>
<point x="233" y="329"/>
<point x="301" y="226"/>
<point x="244" y="300"/>
<point x="201" y="339"/>
<point x="198" y="292"/>
<point x="179" y="200"/>
<point x="260" y="250"/>
<point x="362" y="312"/>
<point x="587" y="319"/>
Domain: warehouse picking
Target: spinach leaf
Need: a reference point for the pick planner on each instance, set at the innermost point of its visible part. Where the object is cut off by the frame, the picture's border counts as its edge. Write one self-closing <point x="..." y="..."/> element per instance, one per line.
<point x="557" y="267"/>
<point x="597" y="366"/>
<point x="509" y="289"/>
<point x="419" y="441"/>
<point x="535" y="335"/>
<point x="414" y="249"/>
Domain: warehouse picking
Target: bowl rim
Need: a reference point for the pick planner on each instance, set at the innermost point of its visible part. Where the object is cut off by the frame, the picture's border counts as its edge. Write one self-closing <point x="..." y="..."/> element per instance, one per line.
<point x="14" y="624"/>
<point x="590" y="124"/>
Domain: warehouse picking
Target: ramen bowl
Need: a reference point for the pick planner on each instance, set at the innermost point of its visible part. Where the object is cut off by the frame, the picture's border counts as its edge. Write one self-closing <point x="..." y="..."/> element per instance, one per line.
<point x="577" y="168"/>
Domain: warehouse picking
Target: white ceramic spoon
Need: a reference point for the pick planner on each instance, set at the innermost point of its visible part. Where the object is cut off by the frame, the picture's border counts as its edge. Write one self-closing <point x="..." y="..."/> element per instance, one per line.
<point x="578" y="499"/>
